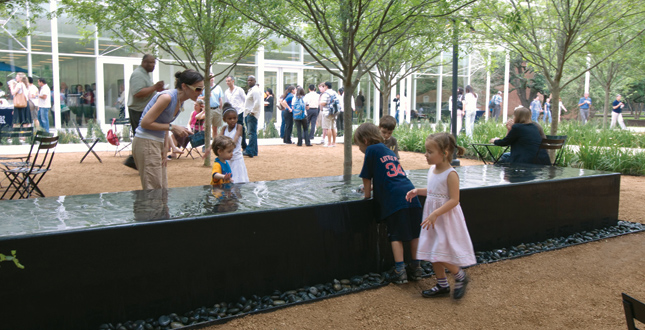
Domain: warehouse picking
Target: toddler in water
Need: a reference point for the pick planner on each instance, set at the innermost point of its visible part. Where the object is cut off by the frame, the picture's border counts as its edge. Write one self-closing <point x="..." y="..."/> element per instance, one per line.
<point x="234" y="130"/>
<point x="444" y="238"/>
<point x="403" y="218"/>
<point x="222" y="147"/>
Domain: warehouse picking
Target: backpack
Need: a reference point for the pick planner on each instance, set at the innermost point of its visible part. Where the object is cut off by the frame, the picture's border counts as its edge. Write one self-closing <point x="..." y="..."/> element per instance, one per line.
<point x="112" y="138"/>
<point x="298" y="108"/>
<point x="279" y="105"/>
<point x="334" y="105"/>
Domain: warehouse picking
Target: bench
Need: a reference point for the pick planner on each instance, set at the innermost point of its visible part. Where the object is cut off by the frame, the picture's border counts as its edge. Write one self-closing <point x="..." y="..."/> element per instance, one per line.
<point x="634" y="310"/>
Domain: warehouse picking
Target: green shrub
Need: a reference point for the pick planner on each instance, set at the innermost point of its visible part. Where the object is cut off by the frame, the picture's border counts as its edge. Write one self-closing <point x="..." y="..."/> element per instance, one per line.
<point x="599" y="149"/>
<point x="595" y="135"/>
<point x="67" y="136"/>
<point x="269" y="131"/>
<point x="94" y="131"/>
<point x="613" y="159"/>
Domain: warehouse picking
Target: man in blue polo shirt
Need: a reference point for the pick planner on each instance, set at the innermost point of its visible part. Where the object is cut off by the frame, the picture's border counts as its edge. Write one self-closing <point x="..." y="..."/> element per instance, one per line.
<point x="584" y="104"/>
<point x="617" y="113"/>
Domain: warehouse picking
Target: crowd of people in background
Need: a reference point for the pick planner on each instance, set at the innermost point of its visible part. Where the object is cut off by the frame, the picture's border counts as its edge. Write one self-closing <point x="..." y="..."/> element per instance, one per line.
<point x="39" y="96"/>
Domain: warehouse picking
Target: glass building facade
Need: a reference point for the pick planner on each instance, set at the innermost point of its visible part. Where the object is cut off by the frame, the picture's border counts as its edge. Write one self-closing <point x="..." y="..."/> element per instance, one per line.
<point x="87" y="78"/>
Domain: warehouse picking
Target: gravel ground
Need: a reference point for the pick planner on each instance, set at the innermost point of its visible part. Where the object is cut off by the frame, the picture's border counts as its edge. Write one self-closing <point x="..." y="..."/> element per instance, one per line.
<point x="574" y="288"/>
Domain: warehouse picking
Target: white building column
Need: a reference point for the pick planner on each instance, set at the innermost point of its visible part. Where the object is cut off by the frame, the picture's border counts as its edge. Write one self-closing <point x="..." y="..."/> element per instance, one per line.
<point x="392" y="111"/>
<point x="409" y="98"/>
<point x="377" y="104"/>
<point x="587" y="77"/>
<point x="55" y="66"/>
<point x="259" y="60"/>
<point x="368" y="102"/>
<point x="99" y="102"/>
<point x="439" y="93"/>
<point x="279" y="83"/>
<point x="29" y="62"/>
<point x="486" y="107"/>
<point x="507" y="70"/>
<point x="414" y="91"/>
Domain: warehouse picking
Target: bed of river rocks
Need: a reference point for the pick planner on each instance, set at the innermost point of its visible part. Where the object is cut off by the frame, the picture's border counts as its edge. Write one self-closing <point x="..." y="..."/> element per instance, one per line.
<point x="225" y="311"/>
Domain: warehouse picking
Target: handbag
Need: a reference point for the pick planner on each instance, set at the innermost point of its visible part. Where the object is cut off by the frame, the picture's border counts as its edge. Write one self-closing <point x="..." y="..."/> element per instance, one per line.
<point x="197" y="139"/>
<point x="111" y="137"/>
<point x="20" y="100"/>
<point x="279" y="105"/>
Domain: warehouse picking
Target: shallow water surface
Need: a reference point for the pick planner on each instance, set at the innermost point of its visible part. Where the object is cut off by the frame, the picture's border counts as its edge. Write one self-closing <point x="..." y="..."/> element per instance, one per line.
<point x="41" y="215"/>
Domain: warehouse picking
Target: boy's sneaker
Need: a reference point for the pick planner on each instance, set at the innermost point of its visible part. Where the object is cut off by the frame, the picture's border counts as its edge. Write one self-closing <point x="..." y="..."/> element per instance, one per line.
<point x="460" y="290"/>
<point x="399" y="277"/>
<point x="415" y="274"/>
<point x="437" y="291"/>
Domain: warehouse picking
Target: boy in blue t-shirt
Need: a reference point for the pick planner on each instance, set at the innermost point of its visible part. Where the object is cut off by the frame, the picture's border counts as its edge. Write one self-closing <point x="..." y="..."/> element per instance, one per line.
<point x="382" y="171"/>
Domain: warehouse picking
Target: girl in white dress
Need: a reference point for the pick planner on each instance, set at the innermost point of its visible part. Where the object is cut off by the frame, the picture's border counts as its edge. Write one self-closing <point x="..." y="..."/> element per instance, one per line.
<point x="444" y="238"/>
<point x="234" y="130"/>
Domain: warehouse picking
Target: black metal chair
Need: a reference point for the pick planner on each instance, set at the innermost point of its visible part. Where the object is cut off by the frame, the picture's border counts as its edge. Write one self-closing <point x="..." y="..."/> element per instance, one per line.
<point x="634" y="310"/>
<point x="23" y="160"/>
<point x="552" y="142"/>
<point x="24" y="180"/>
<point x="125" y="123"/>
<point x="87" y="143"/>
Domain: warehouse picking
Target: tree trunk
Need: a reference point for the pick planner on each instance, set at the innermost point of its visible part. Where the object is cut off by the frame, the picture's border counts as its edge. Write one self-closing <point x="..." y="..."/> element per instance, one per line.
<point x="555" y="104"/>
<point x="385" y="96"/>
<point x="347" y="131"/>
<point x="606" y="110"/>
<point x="639" y="108"/>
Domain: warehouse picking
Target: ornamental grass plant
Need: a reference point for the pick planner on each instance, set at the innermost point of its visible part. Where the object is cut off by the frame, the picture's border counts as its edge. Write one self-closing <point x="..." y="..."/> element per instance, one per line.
<point x="588" y="146"/>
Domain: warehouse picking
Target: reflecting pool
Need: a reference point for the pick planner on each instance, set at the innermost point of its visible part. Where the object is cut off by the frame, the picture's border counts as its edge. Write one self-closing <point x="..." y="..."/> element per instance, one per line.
<point x="41" y="215"/>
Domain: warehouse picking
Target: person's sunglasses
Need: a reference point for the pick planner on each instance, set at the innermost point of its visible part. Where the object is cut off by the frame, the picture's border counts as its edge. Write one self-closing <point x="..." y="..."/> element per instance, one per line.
<point x="196" y="89"/>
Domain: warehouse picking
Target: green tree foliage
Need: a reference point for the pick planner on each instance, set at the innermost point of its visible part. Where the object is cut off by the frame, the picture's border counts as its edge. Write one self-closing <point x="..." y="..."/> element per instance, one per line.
<point x="16" y="9"/>
<point x="549" y="33"/>
<point x="634" y="92"/>
<point x="195" y="33"/>
<point x="620" y="66"/>
<point x="523" y="77"/>
<point x="347" y="37"/>
<point x="409" y="55"/>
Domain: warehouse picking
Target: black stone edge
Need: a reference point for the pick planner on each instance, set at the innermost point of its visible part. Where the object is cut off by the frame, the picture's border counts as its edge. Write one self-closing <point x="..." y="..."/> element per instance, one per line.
<point x="275" y="308"/>
<point x="164" y="221"/>
<point x="542" y="181"/>
<point x="562" y="247"/>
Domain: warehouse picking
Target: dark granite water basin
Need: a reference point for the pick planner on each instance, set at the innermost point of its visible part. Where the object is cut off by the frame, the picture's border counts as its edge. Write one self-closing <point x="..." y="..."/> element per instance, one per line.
<point x="53" y="214"/>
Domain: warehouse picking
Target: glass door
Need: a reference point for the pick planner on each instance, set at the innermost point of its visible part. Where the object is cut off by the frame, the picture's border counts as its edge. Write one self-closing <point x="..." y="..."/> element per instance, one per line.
<point x="271" y="82"/>
<point x="113" y="91"/>
<point x="278" y="79"/>
<point x="289" y="79"/>
<point x="112" y="83"/>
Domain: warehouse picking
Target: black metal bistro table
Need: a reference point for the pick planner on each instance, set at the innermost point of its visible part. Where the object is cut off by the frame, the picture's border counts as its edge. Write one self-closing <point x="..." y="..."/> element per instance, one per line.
<point x="490" y="153"/>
